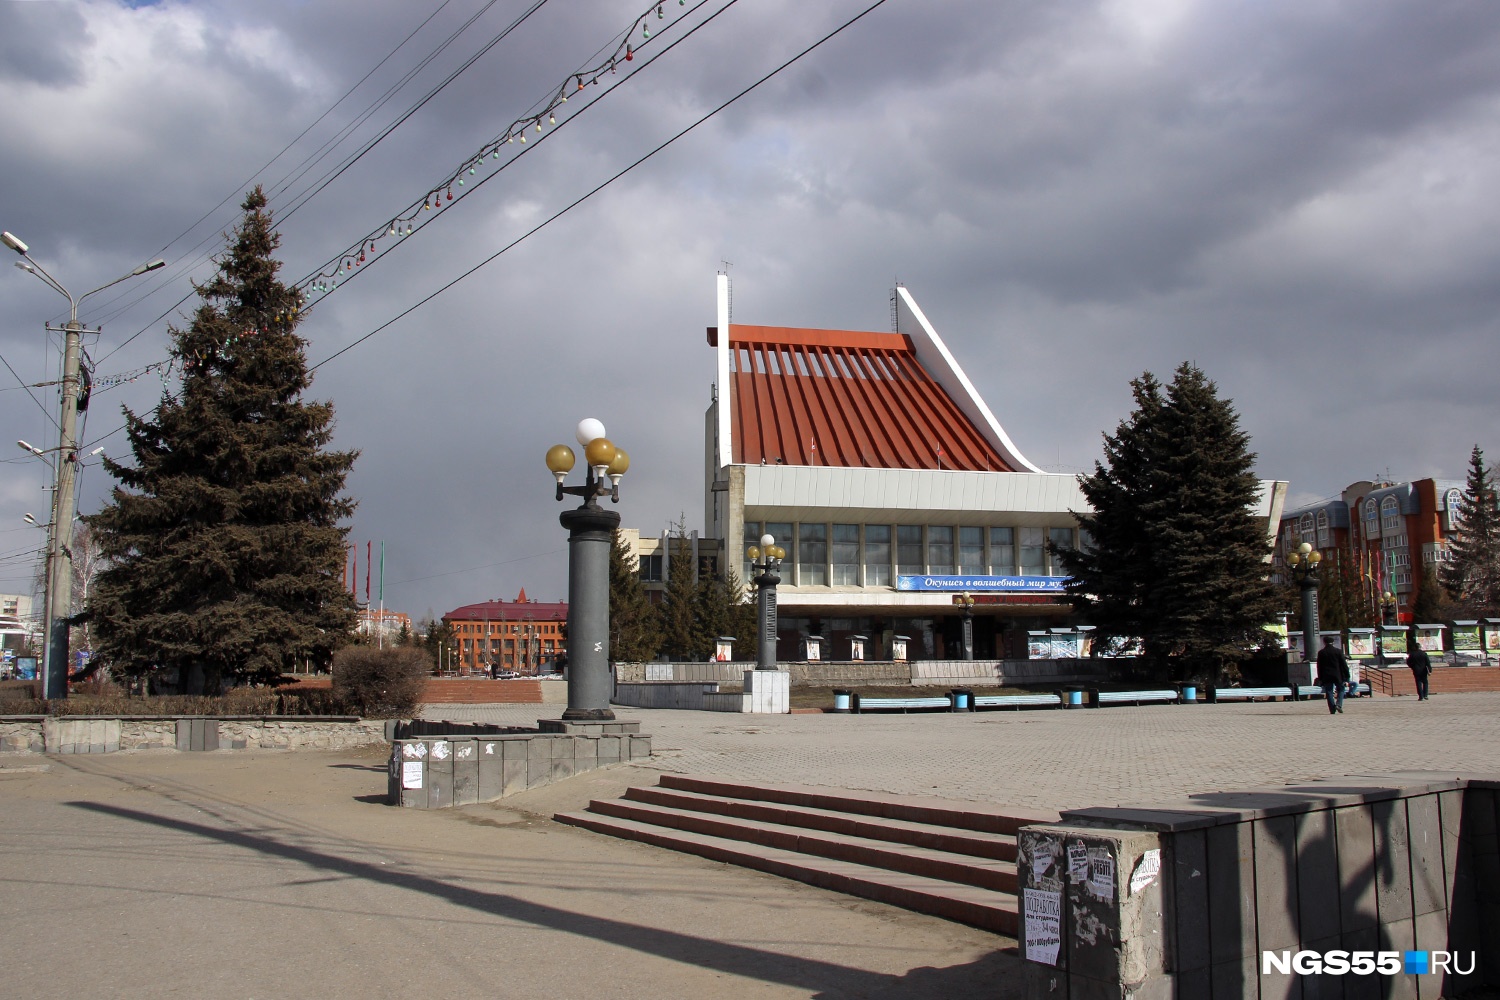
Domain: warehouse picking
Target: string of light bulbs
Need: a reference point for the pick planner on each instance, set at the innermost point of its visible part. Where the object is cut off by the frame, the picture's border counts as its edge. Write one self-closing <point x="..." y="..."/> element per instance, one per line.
<point x="441" y="195"/>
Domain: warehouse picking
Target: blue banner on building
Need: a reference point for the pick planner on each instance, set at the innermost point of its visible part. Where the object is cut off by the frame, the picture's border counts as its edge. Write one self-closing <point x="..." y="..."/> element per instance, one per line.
<point x="984" y="584"/>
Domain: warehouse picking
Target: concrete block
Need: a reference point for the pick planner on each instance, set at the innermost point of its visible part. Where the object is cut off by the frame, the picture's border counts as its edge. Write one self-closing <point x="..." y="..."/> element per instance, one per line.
<point x="1451" y="819"/>
<point x="1237" y="979"/>
<point x="586" y="748"/>
<point x="414" y="798"/>
<point x="1231" y="896"/>
<point x="640" y="747"/>
<point x="563" y="747"/>
<point x="1425" y="836"/>
<point x="491" y="773"/>
<point x="1431" y="935"/>
<point x="1276" y="901"/>
<point x="1188" y="883"/>
<point x="184" y="734"/>
<point x="1392" y="862"/>
<point x="513" y="777"/>
<point x="210" y="734"/>
<point x="538" y="772"/>
<point x="1317" y="877"/>
<point x="563" y="767"/>
<point x="465" y="772"/>
<point x="112" y="736"/>
<point x="1362" y="987"/>
<point x="1398" y="935"/>
<point x="609" y="748"/>
<point x="196" y="734"/>
<point x="1194" y="982"/>
<point x="1355" y="830"/>
<point x="1323" y="987"/>
<point x="1278" y="986"/>
<point x="539" y="748"/>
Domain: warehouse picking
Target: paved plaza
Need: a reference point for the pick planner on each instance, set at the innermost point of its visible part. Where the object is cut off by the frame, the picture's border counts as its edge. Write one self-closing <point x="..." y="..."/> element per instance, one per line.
<point x="270" y="874"/>
<point x="1057" y="759"/>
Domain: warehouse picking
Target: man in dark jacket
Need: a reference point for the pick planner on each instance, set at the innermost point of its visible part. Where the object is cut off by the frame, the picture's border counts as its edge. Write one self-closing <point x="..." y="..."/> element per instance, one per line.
<point x="1421" y="669"/>
<point x="1333" y="675"/>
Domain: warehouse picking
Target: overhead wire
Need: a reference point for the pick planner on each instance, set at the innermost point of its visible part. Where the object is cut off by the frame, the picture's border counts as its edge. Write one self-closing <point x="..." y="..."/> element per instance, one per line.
<point x="599" y="187"/>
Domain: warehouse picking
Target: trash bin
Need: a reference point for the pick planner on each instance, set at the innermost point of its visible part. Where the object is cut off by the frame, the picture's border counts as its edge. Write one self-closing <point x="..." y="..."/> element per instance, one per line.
<point x="961" y="699"/>
<point x="1190" y="694"/>
<point x="1073" y="697"/>
<point x="842" y="701"/>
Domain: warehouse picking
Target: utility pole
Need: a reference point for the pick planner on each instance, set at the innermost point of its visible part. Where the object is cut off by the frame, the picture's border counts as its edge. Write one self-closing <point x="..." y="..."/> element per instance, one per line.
<point x="59" y="593"/>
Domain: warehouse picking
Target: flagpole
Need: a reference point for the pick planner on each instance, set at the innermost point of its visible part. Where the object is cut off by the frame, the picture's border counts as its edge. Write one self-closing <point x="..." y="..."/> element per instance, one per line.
<point x="382" y="594"/>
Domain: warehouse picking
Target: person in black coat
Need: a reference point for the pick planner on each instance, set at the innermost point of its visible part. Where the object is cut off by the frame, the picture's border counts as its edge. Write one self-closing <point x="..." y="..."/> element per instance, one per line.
<point x="1333" y="675"/>
<point x="1421" y="670"/>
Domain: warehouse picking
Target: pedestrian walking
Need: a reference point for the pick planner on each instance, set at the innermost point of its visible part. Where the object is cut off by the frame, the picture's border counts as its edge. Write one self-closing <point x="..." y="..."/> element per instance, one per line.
<point x="1333" y="675"/>
<point x="1421" y="670"/>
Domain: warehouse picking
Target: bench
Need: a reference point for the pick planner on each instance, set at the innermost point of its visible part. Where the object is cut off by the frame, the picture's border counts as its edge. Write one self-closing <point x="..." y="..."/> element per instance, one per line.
<point x="1017" y="701"/>
<point x="858" y="704"/>
<point x="1133" y="697"/>
<point x="1251" y="694"/>
<point x="1316" y="691"/>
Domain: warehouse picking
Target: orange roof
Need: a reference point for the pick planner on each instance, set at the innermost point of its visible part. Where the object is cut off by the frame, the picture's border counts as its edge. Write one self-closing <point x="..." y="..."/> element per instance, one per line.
<point x="845" y="398"/>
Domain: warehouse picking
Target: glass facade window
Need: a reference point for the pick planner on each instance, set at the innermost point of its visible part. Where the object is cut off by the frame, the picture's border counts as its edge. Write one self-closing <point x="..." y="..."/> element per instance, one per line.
<point x="940" y="550"/>
<point x="812" y="555"/>
<point x="1002" y="551"/>
<point x="1062" y="538"/>
<point x="1033" y="552"/>
<point x="846" y="555"/>
<point x="877" y="555"/>
<point x="909" y="550"/>
<point x="971" y="551"/>
<point x="1390" y="514"/>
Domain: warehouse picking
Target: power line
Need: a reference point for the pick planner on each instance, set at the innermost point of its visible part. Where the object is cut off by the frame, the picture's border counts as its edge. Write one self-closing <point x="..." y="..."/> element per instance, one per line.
<point x="349" y="260"/>
<point x="600" y="187"/>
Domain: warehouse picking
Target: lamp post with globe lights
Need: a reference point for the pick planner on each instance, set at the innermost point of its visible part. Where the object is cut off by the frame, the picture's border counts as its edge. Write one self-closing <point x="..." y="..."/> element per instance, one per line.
<point x="765" y="560"/>
<point x="59" y="588"/>
<point x="590" y="536"/>
<point x="1304" y="563"/>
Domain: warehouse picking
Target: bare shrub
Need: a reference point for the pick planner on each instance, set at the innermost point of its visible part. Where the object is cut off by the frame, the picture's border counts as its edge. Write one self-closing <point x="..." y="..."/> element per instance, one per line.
<point x="380" y="683"/>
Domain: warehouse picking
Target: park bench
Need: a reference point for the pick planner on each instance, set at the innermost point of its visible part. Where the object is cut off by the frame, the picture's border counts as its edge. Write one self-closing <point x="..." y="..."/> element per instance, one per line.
<point x="1017" y="701"/>
<point x="1253" y="693"/>
<point x="1316" y="691"/>
<point x="1100" y="698"/>
<point x="858" y="704"/>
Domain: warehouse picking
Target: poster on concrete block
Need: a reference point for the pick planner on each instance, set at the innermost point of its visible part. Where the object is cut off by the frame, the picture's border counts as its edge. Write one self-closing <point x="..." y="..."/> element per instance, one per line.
<point x="1043" y="928"/>
<point x="411" y="774"/>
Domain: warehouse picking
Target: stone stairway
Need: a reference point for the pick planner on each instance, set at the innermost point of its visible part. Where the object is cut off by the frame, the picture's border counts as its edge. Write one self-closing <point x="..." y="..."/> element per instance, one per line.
<point x="943" y="857"/>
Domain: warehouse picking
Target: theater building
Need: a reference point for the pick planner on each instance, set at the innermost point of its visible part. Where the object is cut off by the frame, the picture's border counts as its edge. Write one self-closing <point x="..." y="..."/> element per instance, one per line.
<point x="873" y="460"/>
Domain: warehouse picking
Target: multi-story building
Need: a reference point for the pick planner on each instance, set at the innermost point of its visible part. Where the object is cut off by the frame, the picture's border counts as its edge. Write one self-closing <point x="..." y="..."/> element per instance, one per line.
<point x="872" y="459"/>
<point x="1391" y="533"/>
<point x="522" y="636"/>
<point x="382" y="625"/>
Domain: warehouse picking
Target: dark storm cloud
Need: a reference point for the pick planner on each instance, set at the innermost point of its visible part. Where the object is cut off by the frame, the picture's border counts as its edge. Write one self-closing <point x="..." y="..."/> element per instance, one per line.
<point x="1295" y="196"/>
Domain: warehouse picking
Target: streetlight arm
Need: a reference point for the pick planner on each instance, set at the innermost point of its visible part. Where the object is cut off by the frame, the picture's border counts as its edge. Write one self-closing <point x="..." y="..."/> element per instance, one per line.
<point x="154" y="265"/>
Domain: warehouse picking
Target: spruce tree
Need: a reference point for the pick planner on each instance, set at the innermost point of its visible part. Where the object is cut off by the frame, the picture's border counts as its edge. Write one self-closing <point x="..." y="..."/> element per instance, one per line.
<point x="1175" y="553"/>
<point x="682" y="634"/>
<point x="1472" y="570"/>
<point x="224" y="540"/>
<point x="635" y="633"/>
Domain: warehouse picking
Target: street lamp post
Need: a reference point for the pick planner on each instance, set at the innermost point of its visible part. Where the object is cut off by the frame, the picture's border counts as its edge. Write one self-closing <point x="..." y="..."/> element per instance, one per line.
<point x="1304" y="562"/>
<point x="59" y="587"/>
<point x="590" y="537"/>
<point x="765" y="560"/>
<point x="966" y="601"/>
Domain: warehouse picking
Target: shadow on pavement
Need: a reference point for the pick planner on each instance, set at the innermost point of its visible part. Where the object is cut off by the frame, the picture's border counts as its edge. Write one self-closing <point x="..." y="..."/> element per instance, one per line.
<point x="829" y="980"/>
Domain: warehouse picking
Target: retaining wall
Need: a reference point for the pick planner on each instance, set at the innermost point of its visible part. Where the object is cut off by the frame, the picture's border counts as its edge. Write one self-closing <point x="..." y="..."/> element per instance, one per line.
<point x="437" y="773"/>
<point x="82" y="734"/>
<point x="664" y="694"/>
<point x="1183" y="899"/>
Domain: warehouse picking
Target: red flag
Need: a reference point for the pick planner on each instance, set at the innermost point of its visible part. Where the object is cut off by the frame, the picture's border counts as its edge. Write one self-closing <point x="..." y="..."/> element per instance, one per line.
<point x="369" y="552"/>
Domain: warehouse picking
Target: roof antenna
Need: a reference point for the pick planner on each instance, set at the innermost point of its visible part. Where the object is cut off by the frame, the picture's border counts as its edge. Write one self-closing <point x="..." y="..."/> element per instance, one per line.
<point x="729" y="284"/>
<point x="895" y="313"/>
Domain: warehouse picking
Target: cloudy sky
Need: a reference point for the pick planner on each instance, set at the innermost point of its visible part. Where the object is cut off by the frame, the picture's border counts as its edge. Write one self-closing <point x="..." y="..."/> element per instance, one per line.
<point x="1289" y="194"/>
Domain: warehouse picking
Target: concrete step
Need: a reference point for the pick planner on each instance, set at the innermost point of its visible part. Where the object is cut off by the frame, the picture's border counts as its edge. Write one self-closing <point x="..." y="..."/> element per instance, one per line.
<point x="987" y="873"/>
<point x="968" y="904"/>
<point x="996" y="846"/>
<point x="916" y="809"/>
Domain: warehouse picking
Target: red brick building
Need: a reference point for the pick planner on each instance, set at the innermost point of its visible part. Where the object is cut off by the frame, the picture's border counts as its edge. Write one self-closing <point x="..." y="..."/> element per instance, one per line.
<point x="521" y="635"/>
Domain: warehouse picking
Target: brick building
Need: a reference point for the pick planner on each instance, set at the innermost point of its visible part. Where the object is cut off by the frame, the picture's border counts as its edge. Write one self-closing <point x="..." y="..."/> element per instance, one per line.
<point x="523" y="636"/>
<point x="1391" y="532"/>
